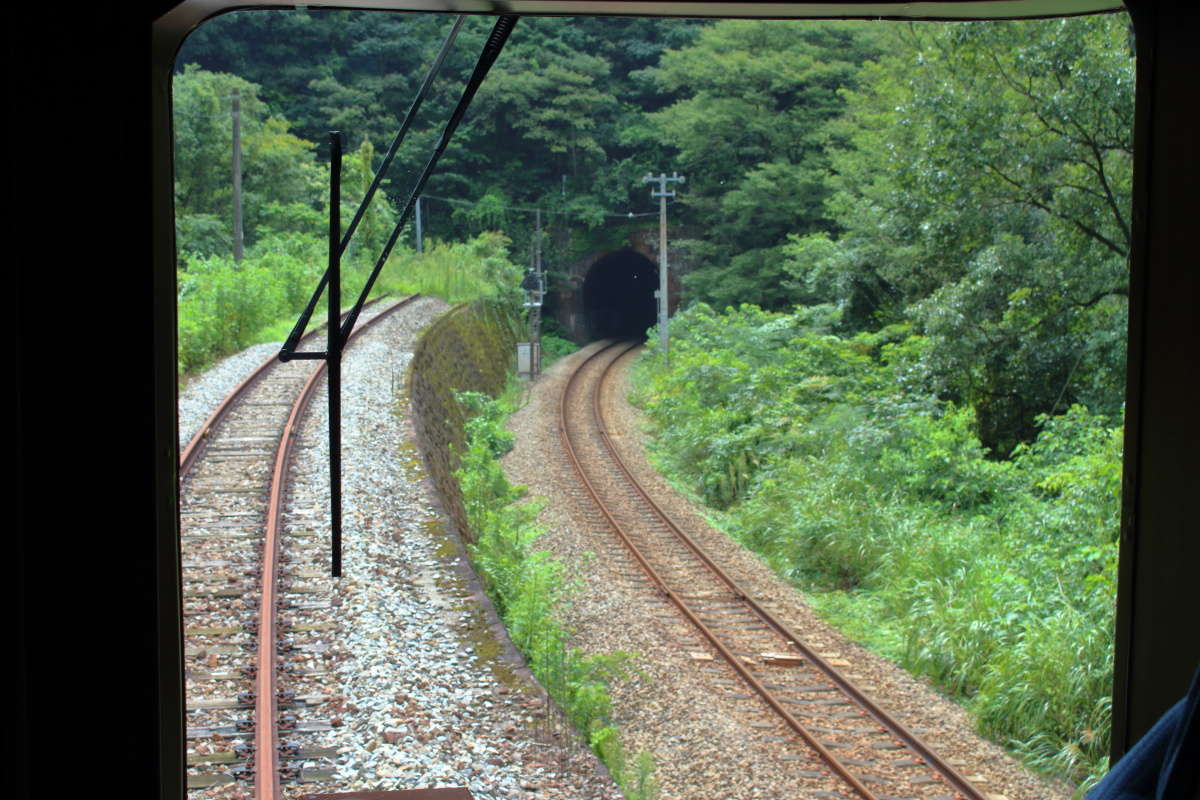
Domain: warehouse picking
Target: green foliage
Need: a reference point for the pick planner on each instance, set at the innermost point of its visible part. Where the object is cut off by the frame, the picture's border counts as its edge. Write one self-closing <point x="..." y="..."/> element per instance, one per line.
<point x="640" y="783"/>
<point x="358" y="171"/>
<point x="972" y="180"/>
<point x="983" y="193"/>
<point x="489" y="212"/>
<point x="278" y="168"/>
<point x="554" y="348"/>
<point x="460" y="272"/>
<point x="528" y="586"/>
<point x="749" y="127"/>
<point x="565" y="99"/>
<point x="827" y="455"/>
<point x="223" y="305"/>
<point x="555" y="98"/>
<point x="203" y="234"/>
<point x="636" y="779"/>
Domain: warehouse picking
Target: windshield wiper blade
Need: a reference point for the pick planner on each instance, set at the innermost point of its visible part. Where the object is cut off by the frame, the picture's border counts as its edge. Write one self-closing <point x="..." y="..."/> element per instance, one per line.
<point x="491" y="51"/>
<point x="293" y="340"/>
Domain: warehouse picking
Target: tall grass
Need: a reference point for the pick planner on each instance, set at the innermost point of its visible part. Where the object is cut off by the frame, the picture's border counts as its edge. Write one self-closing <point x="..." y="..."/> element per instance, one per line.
<point x="459" y="272"/>
<point x="528" y="588"/>
<point x="225" y="306"/>
<point x="994" y="578"/>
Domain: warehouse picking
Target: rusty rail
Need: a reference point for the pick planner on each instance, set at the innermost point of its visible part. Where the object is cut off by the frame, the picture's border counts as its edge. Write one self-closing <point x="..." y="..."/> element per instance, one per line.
<point x="265" y="760"/>
<point x="191" y="452"/>
<point x="266" y="728"/>
<point x="791" y="639"/>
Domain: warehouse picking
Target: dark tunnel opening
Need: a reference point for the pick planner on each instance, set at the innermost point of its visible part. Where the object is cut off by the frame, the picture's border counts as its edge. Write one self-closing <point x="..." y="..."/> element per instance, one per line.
<point x="618" y="296"/>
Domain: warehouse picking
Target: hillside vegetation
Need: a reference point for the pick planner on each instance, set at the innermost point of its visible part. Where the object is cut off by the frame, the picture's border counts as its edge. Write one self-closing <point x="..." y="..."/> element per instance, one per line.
<point x="995" y="578"/>
<point x="925" y="431"/>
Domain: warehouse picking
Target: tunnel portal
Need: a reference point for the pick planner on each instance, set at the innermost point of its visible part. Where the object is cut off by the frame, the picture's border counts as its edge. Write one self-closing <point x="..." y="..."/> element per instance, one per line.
<point x="618" y="296"/>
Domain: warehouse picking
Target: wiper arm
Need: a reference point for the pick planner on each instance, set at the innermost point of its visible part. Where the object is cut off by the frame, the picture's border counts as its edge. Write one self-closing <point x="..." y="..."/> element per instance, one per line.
<point x="338" y="336"/>
<point x="289" y="347"/>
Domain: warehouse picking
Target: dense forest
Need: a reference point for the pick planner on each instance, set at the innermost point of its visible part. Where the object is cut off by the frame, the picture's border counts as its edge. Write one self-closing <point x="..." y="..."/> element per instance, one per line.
<point x="899" y="372"/>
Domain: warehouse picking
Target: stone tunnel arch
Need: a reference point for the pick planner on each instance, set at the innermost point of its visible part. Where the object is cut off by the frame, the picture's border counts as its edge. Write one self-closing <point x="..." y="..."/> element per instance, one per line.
<point x="618" y="296"/>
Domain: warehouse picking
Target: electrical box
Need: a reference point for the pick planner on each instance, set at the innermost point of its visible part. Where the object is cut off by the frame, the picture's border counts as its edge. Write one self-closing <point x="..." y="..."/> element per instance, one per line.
<point x="529" y="359"/>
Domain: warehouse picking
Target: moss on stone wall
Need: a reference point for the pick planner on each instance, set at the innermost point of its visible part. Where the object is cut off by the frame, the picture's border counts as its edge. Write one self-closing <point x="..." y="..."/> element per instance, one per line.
<point x="471" y="348"/>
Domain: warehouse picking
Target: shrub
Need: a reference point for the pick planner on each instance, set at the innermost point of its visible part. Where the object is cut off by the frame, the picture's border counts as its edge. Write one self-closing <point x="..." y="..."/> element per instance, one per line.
<point x="555" y="347"/>
<point x="459" y="272"/>
<point x="222" y="305"/>
<point x="828" y="456"/>
<point x="225" y="306"/>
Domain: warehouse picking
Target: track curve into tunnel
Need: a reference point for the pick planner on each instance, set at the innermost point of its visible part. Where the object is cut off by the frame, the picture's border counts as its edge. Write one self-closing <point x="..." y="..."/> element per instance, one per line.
<point x="618" y="296"/>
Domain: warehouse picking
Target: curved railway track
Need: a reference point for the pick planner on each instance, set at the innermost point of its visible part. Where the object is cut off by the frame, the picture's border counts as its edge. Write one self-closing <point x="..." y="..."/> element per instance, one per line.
<point x="870" y="753"/>
<point x="245" y="588"/>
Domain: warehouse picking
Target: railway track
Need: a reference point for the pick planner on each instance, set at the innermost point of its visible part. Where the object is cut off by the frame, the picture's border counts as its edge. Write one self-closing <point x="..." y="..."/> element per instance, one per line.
<point x="858" y="749"/>
<point x="256" y="618"/>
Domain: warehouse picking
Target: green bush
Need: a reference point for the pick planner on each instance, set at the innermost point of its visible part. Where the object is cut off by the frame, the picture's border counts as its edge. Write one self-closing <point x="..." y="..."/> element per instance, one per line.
<point x="555" y="347"/>
<point x="829" y="457"/>
<point x="225" y="306"/>
<point x="459" y="272"/>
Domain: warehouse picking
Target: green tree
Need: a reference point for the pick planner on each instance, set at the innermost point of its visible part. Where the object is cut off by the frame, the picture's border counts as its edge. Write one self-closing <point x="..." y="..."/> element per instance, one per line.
<point x="358" y="170"/>
<point x="280" y="180"/>
<point x="554" y="101"/>
<point x="566" y="98"/>
<point x="986" y="197"/>
<point x="750" y="130"/>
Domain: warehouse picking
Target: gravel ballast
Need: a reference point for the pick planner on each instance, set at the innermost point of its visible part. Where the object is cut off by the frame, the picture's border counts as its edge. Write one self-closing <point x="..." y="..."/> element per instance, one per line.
<point x="424" y="692"/>
<point x="205" y="391"/>
<point x="681" y="711"/>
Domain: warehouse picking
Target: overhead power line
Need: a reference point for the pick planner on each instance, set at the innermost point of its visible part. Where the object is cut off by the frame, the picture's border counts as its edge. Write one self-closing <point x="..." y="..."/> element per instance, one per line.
<point x="523" y="209"/>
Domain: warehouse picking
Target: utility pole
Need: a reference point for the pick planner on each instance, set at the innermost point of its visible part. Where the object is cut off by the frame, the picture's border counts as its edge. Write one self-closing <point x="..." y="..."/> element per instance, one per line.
<point x="529" y="355"/>
<point x="662" y="194"/>
<point x="420" y="237"/>
<point x="536" y="297"/>
<point x="237" y="176"/>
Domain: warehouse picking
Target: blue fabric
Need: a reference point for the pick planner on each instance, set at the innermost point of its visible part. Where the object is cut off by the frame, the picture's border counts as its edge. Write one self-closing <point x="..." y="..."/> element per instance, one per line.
<point x="1165" y="763"/>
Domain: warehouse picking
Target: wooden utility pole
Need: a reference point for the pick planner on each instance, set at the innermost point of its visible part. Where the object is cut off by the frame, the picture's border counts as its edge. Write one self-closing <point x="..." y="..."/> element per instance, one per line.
<point x="662" y="194"/>
<point x="237" y="176"/>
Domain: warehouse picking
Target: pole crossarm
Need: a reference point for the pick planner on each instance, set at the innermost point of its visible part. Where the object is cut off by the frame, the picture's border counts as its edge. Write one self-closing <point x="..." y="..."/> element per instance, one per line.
<point x="662" y="181"/>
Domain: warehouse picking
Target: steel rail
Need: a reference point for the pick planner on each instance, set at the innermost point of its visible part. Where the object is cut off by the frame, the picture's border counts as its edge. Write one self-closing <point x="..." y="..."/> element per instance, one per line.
<point x="657" y="580"/>
<point x="191" y="452"/>
<point x="266" y="728"/>
<point x="264" y="763"/>
<point x="885" y="720"/>
<point x="845" y="684"/>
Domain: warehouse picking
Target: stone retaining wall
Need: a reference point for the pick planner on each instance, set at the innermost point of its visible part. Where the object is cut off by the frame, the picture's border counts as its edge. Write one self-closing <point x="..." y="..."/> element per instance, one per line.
<point x="471" y="348"/>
